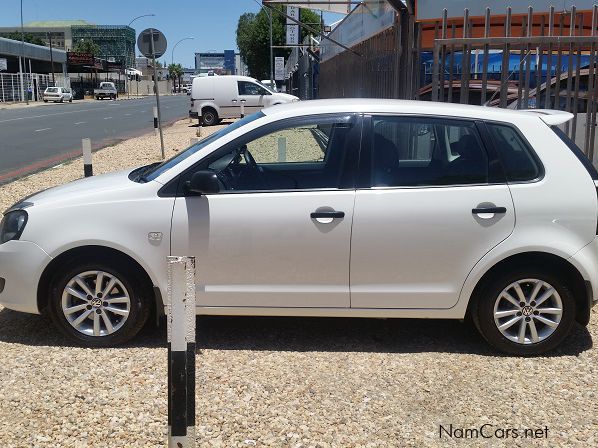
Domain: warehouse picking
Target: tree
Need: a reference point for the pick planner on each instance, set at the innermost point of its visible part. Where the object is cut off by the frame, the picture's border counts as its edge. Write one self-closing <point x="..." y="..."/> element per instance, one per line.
<point x="175" y="71"/>
<point x="253" y="37"/>
<point x="29" y="38"/>
<point x="87" y="46"/>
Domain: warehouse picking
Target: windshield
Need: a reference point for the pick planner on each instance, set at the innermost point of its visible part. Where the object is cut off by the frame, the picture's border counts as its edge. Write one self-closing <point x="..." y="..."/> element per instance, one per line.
<point x="269" y="89"/>
<point x="166" y="165"/>
<point x="52" y="89"/>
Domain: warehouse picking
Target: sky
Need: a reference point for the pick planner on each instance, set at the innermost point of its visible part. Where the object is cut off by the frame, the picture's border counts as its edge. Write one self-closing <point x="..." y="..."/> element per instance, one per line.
<point x="212" y="23"/>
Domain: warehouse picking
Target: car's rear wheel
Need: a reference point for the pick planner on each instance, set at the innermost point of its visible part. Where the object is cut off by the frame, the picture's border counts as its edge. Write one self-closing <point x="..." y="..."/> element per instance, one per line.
<point x="209" y="117"/>
<point x="525" y="312"/>
<point x="99" y="304"/>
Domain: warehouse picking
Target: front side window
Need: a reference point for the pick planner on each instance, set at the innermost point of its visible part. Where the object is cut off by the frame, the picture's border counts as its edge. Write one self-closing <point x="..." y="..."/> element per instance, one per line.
<point x="409" y="152"/>
<point x="310" y="155"/>
<point x="250" y="88"/>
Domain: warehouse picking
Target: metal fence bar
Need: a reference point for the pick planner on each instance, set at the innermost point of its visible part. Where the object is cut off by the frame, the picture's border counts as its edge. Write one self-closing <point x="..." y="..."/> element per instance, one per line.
<point x="465" y="60"/>
<point x="486" y="57"/>
<point x="547" y="89"/>
<point x="504" y="69"/>
<point x="528" y="60"/>
<point x="594" y="86"/>
<point x="451" y="64"/>
<point x="591" y="88"/>
<point x="577" y="81"/>
<point x="570" y="69"/>
<point x="522" y="59"/>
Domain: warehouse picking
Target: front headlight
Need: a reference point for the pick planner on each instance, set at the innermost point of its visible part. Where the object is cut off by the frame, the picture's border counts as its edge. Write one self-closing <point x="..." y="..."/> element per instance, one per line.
<point x="12" y="225"/>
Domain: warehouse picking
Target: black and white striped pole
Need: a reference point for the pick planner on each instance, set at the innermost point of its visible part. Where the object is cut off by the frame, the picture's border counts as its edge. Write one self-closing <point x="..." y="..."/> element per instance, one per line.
<point x="180" y="312"/>
<point x="243" y="108"/>
<point x="87" y="167"/>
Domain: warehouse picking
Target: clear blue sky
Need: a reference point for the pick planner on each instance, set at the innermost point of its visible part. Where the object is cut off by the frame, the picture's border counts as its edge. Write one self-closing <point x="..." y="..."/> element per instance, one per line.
<point x="212" y="23"/>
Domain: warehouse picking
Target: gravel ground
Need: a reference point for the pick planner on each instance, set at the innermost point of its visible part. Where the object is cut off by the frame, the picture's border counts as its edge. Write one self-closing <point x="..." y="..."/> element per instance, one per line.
<point x="286" y="382"/>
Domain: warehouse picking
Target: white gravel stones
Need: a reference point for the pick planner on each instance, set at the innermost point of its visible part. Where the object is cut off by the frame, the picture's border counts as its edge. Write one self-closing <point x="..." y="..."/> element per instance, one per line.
<point x="285" y="382"/>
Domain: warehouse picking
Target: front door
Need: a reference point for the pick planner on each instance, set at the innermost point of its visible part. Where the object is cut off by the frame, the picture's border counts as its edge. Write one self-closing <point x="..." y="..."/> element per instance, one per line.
<point x="278" y="234"/>
<point x="434" y="203"/>
<point x="253" y="95"/>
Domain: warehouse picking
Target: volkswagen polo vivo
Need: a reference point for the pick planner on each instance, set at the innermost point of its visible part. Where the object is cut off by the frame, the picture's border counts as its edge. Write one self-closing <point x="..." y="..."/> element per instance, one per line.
<point x="360" y="208"/>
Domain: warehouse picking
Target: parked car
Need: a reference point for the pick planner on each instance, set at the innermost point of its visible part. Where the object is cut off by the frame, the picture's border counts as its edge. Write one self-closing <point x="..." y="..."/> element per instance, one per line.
<point x="217" y="97"/>
<point x="348" y="208"/>
<point x="106" y="90"/>
<point x="58" y="94"/>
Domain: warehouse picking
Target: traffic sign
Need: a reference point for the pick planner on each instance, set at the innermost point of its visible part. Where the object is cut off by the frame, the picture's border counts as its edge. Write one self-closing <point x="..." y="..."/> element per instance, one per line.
<point x="279" y="68"/>
<point x="144" y="43"/>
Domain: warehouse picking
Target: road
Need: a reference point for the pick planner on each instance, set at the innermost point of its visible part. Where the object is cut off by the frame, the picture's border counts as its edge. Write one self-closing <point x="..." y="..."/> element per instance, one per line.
<point x="35" y="138"/>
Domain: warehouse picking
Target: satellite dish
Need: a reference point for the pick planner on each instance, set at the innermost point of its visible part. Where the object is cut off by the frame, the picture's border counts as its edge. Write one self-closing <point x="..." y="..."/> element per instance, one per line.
<point x="144" y="43"/>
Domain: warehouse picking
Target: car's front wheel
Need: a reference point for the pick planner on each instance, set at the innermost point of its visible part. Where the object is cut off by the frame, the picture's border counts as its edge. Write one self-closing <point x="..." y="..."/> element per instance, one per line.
<point x="525" y="312"/>
<point x="98" y="304"/>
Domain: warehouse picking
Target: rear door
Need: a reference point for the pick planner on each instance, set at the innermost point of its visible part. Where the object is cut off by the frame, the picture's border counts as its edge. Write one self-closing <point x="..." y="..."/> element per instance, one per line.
<point x="431" y="203"/>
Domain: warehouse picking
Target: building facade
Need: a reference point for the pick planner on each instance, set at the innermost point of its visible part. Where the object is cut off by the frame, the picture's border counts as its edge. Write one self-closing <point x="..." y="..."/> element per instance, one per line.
<point x="116" y="42"/>
<point x="226" y="63"/>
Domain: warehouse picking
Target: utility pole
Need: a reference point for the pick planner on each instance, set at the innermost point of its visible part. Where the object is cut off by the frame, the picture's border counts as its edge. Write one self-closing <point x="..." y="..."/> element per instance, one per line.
<point x="153" y="51"/>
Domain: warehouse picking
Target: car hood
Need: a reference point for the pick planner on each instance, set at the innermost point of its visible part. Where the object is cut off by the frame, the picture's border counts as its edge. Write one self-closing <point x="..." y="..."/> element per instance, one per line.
<point x="86" y="187"/>
<point x="287" y="97"/>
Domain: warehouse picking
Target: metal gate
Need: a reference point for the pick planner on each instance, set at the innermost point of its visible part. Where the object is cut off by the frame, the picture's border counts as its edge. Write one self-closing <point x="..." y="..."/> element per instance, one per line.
<point x="551" y="65"/>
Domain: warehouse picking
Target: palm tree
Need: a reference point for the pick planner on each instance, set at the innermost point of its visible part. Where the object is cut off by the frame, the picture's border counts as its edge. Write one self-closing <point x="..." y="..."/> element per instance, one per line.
<point x="175" y="71"/>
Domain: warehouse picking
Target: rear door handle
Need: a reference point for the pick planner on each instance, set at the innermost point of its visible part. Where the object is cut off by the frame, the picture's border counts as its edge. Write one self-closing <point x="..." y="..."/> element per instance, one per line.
<point x="324" y="215"/>
<point x="495" y="210"/>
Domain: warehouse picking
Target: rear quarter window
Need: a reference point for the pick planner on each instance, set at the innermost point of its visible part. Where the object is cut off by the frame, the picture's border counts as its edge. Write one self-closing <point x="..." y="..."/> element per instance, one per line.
<point x="518" y="158"/>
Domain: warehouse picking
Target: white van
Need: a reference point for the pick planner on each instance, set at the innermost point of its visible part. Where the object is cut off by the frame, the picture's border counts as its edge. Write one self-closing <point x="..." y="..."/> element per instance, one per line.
<point x="217" y="97"/>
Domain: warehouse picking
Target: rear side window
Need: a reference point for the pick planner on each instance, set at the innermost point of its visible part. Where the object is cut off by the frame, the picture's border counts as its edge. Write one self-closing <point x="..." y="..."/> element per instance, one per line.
<point x="577" y="151"/>
<point x="414" y="151"/>
<point x="517" y="157"/>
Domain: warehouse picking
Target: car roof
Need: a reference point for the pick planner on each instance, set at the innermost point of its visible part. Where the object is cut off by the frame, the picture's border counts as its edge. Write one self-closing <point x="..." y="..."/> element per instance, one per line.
<point x="373" y="106"/>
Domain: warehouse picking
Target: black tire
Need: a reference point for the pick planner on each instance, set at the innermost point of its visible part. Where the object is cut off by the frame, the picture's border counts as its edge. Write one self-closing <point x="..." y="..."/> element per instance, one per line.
<point x="61" y="100"/>
<point x="482" y="311"/>
<point x="139" y="294"/>
<point x="45" y="101"/>
<point x="71" y="100"/>
<point x="209" y="117"/>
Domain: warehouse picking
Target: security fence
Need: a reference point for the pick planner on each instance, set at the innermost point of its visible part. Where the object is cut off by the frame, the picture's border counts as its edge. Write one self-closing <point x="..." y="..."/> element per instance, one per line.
<point x="34" y="85"/>
<point x="551" y="65"/>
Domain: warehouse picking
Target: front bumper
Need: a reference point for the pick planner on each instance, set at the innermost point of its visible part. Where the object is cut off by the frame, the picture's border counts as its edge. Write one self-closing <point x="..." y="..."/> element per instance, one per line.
<point x="21" y="266"/>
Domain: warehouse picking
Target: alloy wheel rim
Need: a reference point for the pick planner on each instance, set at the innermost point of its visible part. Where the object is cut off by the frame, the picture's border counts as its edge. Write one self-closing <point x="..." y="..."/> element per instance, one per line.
<point x="95" y="303"/>
<point x="528" y="311"/>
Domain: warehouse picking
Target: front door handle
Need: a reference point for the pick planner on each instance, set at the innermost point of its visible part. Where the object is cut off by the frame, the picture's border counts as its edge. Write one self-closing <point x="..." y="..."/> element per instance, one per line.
<point x="494" y="210"/>
<point x="327" y="215"/>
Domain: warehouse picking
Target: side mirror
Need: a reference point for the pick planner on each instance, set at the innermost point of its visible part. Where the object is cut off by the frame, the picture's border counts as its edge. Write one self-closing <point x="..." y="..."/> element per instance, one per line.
<point x="203" y="182"/>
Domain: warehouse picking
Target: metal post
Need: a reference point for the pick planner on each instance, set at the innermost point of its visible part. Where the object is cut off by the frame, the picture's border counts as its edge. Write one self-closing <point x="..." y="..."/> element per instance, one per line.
<point x="52" y="59"/>
<point x="271" y="52"/>
<point x="87" y="164"/>
<point x="22" y="57"/>
<point x="155" y="120"/>
<point x="180" y="312"/>
<point x="243" y="108"/>
<point x="157" y="94"/>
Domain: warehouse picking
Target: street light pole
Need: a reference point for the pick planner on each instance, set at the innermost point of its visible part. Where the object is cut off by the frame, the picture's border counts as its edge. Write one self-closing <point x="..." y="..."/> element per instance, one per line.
<point x="172" y="52"/>
<point x="22" y="59"/>
<point x="127" y="76"/>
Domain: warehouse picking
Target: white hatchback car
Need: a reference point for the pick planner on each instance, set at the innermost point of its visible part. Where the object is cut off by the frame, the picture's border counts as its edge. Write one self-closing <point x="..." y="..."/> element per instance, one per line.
<point x="352" y="208"/>
<point x="58" y="94"/>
